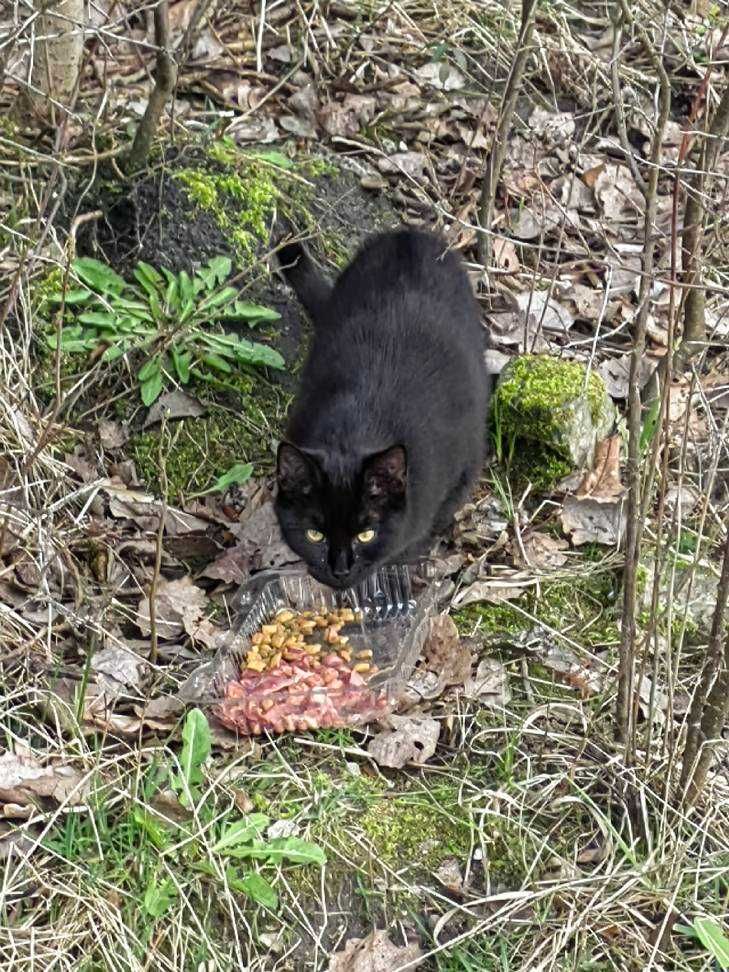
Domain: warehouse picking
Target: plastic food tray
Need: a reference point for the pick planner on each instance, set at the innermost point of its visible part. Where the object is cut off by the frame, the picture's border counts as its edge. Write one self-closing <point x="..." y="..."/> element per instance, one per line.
<point x="396" y="604"/>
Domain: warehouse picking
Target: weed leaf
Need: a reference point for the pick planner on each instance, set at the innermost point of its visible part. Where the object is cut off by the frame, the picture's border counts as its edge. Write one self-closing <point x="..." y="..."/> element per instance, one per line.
<point x="241" y="832"/>
<point x="196" y="740"/>
<point x="98" y="275"/>
<point x="240" y="473"/>
<point x="711" y="936"/>
<point x="292" y="849"/>
<point x="159" y="897"/>
<point x="255" y="887"/>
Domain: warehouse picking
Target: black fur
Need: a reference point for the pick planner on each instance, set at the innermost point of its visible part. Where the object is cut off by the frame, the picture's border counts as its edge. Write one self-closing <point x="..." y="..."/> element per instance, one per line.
<point x="388" y="431"/>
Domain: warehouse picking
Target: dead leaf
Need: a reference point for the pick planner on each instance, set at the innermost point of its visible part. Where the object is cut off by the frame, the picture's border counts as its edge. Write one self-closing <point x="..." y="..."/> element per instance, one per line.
<point x="445" y="653"/>
<point x="441" y="75"/>
<point x="555" y="128"/>
<point x="348" y="117"/>
<point x="603" y="480"/>
<point x="589" y="520"/>
<point x="505" y="256"/>
<point x="112" y="435"/>
<point x="617" y="193"/>
<point x="179" y="607"/>
<point x="174" y="405"/>
<point x="24" y="781"/>
<point x="298" y="126"/>
<point x="376" y="953"/>
<point x="615" y="372"/>
<point x="118" y="668"/>
<point x="490" y="684"/>
<point x="493" y="591"/>
<point x="541" y="551"/>
<point x="260" y="547"/>
<point x="412" y="739"/>
<point x="412" y="164"/>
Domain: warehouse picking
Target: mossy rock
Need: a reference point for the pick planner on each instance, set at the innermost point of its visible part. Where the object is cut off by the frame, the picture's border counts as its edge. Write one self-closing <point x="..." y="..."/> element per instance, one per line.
<point x="548" y="415"/>
<point x="213" y="199"/>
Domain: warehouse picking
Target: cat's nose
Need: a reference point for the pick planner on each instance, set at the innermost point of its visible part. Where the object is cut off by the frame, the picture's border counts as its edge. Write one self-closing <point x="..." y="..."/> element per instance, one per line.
<point x="341" y="565"/>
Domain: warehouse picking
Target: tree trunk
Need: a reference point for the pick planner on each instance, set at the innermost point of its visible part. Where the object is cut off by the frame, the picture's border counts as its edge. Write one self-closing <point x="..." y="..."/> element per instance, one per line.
<point x="57" y="53"/>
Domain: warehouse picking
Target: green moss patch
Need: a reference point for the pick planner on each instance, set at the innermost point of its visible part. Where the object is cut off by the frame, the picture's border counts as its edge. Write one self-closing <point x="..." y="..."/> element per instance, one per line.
<point x="547" y="415"/>
<point x="202" y="449"/>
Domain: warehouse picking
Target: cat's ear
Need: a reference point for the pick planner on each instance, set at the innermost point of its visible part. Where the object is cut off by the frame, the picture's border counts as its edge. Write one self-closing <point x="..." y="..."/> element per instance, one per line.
<point x="296" y="472"/>
<point x="385" y="474"/>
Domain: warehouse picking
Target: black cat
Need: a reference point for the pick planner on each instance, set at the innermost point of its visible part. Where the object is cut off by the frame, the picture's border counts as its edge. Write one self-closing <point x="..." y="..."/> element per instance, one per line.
<point x="388" y="432"/>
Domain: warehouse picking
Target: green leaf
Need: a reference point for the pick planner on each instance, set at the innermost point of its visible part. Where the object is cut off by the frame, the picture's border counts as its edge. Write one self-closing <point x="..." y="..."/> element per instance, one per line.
<point x="241" y="831"/>
<point x="172" y="297"/>
<point x="77" y="296"/>
<point x="274" y="157"/>
<point x="151" y="388"/>
<point x="98" y="318"/>
<point x="181" y="363"/>
<point x="113" y="353"/>
<point x="215" y="361"/>
<point x="241" y="310"/>
<point x="224" y="296"/>
<point x="240" y="473"/>
<point x="220" y="266"/>
<point x="185" y="284"/>
<point x="257" y="888"/>
<point x="282" y="849"/>
<point x="650" y="424"/>
<point x="151" y="827"/>
<point x="149" y="368"/>
<point x="158" y="898"/>
<point x="197" y="742"/>
<point x="260" y="355"/>
<point x="150" y="280"/>
<point x="98" y="275"/>
<point x="712" y="937"/>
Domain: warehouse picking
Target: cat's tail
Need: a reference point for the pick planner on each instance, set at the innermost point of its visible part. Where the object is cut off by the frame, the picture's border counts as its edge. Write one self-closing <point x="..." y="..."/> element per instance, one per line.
<point x="305" y="278"/>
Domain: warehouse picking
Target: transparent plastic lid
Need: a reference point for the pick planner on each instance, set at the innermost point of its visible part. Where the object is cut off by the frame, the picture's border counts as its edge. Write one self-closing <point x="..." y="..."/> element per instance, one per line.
<point x="393" y="608"/>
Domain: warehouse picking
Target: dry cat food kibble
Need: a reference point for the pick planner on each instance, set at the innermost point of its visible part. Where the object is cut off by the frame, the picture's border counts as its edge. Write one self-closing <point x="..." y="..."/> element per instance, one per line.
<point x="301" y="673"/>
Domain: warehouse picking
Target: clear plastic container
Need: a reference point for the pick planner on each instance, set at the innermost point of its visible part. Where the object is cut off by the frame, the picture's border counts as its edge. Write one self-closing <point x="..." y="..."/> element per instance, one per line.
<point x="393" y="608"/>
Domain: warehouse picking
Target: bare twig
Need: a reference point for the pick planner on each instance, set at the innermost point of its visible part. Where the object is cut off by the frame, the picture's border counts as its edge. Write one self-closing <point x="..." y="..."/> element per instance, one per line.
<point x="153" y="634"/>
<point x="495" y="160"/>
<point x="625" y="724"/>
<point x="710" y="704"/>
<point x="694" y="320"/>
<point x="165" y="79"/>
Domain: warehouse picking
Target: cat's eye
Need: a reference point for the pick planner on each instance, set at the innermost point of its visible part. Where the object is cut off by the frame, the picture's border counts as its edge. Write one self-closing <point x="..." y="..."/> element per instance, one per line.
<point x="366" y="536"/>
<point x="314" y="536"/>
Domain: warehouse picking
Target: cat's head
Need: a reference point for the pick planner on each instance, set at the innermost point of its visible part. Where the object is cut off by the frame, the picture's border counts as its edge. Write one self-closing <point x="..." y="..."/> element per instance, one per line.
<point x="342" y="524"/>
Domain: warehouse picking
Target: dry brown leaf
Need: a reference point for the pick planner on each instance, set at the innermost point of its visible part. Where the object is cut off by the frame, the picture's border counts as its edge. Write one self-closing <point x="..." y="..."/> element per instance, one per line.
<point x="112" y="435"/>
<point x="24" y="781"/>
<point x="410" y="163"/>
<point x="412" y="739"/>
<point x="505" y="256"/>
<point x="493" y="591"/>
<point x="603" y="480"/>
<point x="589" y="520"/>
<point x="445" y="653"/>
<point x="174" y="405"/>
<point x="118" y="668"/>
<point x="490" y="684"/>
<point x="261" y="547"/>
<point x="179" y="607"/>
<point x="541" y="551"/>
<point x="376" y="953"/>
<point x="616" y="191"/>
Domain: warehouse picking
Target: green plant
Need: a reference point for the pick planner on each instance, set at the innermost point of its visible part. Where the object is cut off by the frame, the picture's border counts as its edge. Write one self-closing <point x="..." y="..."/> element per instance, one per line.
<point x="144" y="848"/>
<point x="172" y="321"/>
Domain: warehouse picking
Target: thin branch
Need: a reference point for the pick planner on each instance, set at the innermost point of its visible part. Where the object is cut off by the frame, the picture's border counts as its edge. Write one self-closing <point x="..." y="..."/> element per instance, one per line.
<point x="694" y="317"/>
<point x="495" y="160"/>
<point x="625" y="721"/>
<point x="164" y="83"/>
<point x="710" y="704"/>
